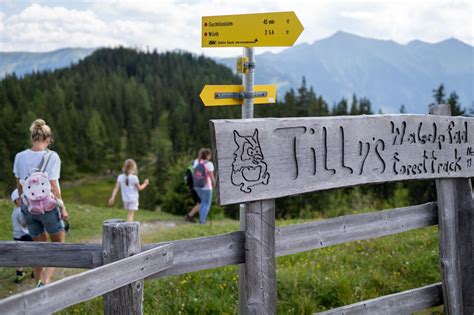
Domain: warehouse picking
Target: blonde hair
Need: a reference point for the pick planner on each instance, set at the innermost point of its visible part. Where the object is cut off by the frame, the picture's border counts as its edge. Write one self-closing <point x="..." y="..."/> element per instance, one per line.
<point x="129" y="167"/>
<point x="40" y="132"/>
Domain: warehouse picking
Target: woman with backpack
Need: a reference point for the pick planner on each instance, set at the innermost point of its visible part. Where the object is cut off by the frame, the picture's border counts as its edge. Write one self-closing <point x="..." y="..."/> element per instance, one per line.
<point x="37" y="170"/>
<point x="204" y="182"/>
<point x="188" y="180"/>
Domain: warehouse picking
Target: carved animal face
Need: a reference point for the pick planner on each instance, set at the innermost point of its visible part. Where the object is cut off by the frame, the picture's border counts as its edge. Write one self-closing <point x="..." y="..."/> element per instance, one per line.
<point x="36" y="186"/>
<point x="249" y="168"/>
<point x="248" y="149"/>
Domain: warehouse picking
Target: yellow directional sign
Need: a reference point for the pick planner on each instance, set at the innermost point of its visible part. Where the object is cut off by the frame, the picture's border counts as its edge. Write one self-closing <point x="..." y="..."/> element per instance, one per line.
<point x="218" y="95"/>
<point x="251" y="30"/>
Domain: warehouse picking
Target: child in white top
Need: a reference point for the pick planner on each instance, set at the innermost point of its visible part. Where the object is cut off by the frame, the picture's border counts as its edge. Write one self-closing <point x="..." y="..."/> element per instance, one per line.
<point x="129" y="185"/>
<point x="20" y="231"/>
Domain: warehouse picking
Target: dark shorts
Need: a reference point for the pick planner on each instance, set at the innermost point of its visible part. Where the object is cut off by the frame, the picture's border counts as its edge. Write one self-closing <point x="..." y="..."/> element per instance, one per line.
<point x="49" y="221"/>
<point x="195" y="196"/>
<point x="24" y="238"/>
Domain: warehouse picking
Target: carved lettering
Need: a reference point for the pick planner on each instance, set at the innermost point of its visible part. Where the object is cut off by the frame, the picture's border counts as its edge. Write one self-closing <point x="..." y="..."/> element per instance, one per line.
<point x="332" y="144"/>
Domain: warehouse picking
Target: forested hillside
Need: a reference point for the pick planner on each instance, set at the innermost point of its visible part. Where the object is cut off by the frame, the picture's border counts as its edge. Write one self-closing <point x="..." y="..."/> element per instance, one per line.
<point x="121" y="103"/>
<point x="115" y="103"/>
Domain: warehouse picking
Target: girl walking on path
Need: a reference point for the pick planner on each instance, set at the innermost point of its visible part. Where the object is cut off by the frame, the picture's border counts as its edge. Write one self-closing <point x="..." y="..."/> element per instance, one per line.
<point x="50" y="219"/>
<point x="129" y="185"/>
<point x="204" y="189"/>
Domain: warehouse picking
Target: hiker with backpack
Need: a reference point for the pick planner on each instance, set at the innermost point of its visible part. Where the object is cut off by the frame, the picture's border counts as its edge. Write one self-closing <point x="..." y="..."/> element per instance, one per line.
<point x="204" y="182"/>
<point x="129" y="186"/>
<point x="37" y="171"/>
<point x="188" y="180"/>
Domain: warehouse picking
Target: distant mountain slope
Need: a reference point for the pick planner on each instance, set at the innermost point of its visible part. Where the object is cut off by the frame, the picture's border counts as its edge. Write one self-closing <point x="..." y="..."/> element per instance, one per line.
<point x="22" y="63"/>
<point x="388" y="73"/>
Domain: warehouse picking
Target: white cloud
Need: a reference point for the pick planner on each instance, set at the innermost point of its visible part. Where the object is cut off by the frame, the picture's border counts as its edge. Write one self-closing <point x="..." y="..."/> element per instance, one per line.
<point x="41" y="28"/>
<point x="168" y="25"/>
<point x="2" y="22"/>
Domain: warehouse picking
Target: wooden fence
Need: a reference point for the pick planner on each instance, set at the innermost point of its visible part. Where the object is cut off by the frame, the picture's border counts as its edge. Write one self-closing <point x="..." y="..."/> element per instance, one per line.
<point x="242" y="147"/>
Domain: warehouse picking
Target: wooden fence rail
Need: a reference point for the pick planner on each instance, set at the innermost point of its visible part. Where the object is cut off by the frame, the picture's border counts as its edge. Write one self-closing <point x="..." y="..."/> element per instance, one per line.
<point x="318" y="234"/>
<point x="36" y="254"/>
<point x="207" y="252"/>
<point x="405" y="302"/>
<point x="85" y="286"/>
<point x="228" y="249"/>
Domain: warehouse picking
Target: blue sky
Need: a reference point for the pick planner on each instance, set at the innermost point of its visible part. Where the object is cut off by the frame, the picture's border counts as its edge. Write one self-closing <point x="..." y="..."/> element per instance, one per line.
<point x="167" y="25"/>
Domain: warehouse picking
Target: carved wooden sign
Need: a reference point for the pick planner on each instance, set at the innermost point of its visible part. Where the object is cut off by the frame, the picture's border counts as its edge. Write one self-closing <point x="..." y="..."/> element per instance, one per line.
<point x="260" y="159"/>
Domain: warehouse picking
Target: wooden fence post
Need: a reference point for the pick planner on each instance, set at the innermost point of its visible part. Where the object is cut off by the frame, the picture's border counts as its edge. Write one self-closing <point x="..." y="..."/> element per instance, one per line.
<point x="466" y="241"/>
<point x="456" y="236"/>
<point x="260" y="263"/>
<point x="120" y="240"/>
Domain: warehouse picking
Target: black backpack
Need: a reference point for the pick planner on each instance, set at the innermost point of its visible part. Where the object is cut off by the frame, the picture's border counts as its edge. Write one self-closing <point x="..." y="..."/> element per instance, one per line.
<point x="188" y="177"/>
<point x="199" y="175"/>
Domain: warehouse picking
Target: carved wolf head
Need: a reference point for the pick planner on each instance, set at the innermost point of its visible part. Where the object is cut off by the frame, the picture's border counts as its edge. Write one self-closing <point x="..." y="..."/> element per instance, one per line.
<point x="248" y="149"/>
<point x="249" y="168"/>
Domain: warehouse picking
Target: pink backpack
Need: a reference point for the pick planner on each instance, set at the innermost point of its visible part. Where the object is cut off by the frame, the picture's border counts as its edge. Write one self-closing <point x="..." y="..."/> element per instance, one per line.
<point x="37" y="194"/>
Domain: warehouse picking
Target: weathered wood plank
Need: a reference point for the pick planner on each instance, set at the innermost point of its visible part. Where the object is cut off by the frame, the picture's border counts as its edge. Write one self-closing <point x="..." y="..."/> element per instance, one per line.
<point x="190" y="255"/>
<point x="260" y="159"/>
<point x="260" y="265"/>
<point x="204" y="253"/>
<point x="449" y="246"/>
<point x="242" y="300"/>
<point x="399" y="303"/>
<point x="228" y="249"/>
<point x="449" y="242"/>
<point x="85" y="286"/>
<point x="466" y="240"/>
<point x="317" y="234"/>
<point x="121" y="240"/>
<point x="36" y="254"/>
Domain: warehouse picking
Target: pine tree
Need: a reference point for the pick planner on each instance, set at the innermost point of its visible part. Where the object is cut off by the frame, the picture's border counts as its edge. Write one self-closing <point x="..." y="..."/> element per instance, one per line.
<point x="456" y="109"/>
<point x="439" y="94"/>
<point x="365" y="106"/>
<point x="341" y="108"/>
<point x="354" y="106"/>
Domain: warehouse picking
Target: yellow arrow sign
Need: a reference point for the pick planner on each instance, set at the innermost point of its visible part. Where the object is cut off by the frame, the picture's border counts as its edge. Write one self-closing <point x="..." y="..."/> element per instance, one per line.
<point x="251" y="30"/>
<point x="218" y="95"/>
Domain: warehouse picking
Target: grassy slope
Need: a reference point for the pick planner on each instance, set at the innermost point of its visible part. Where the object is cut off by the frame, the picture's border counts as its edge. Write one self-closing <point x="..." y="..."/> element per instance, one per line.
<point x="307" y="282"/>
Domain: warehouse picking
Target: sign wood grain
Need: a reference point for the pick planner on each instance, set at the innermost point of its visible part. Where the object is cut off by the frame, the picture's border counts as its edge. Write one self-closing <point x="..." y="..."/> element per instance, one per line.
<point x="267" y="158"/>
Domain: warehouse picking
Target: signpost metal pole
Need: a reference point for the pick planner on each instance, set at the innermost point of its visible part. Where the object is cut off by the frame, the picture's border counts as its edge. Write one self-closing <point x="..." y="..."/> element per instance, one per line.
<point x="257" y="277"/>
<point x="248" y="80"/>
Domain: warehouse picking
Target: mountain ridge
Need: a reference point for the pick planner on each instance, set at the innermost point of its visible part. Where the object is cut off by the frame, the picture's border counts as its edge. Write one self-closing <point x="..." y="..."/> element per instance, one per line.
<point x="22" y="63"/>
<point x="388" y="73"/>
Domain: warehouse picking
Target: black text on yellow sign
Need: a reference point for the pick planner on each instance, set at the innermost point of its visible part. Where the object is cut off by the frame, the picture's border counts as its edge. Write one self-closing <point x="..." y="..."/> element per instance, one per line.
<point x="251" y="30"/>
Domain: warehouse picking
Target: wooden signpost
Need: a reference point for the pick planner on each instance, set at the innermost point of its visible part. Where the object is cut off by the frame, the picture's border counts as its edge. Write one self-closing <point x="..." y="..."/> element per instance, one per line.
<point x="257" y="284"/>
<point x="267" y="158"/>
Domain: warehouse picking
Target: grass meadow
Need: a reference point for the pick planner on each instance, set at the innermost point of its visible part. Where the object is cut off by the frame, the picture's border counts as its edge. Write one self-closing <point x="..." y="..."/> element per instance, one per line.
<point x="307" y="282"/>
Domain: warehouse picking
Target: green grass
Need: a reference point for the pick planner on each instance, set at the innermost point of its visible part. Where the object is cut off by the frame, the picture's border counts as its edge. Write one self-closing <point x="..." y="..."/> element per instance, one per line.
<point x="90" y="191"/>
<point x="307" y="282"/>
